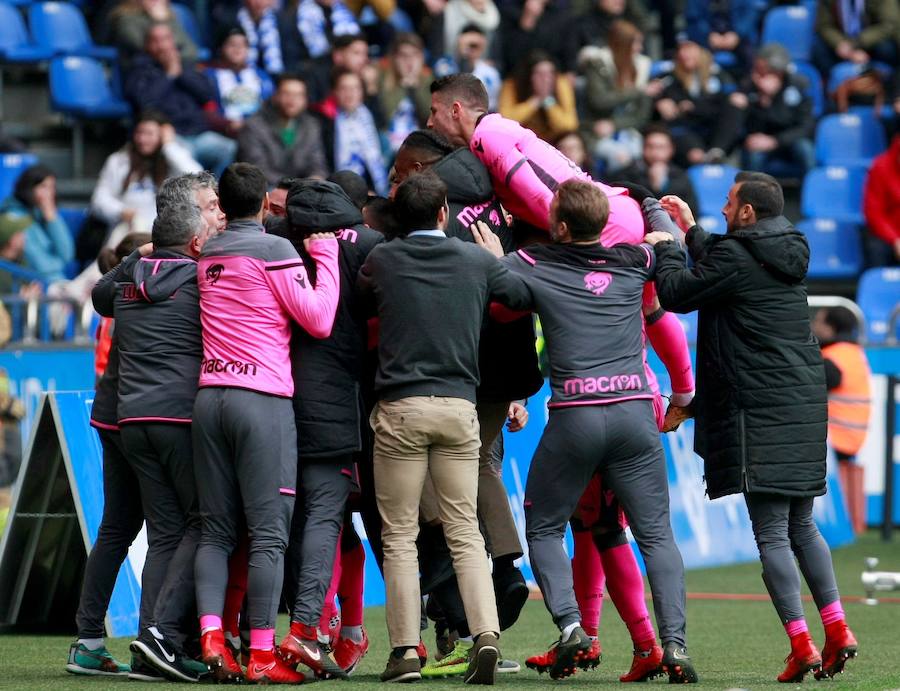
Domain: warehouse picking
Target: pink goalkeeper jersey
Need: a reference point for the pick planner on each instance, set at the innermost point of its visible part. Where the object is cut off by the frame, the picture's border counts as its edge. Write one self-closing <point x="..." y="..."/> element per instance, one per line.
<point x="526" y="171"/>
<point x="251" y="286"/>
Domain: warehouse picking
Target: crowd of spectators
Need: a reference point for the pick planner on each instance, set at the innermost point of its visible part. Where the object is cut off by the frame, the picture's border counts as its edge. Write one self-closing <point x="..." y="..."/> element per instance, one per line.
<point x="308" y="87"/>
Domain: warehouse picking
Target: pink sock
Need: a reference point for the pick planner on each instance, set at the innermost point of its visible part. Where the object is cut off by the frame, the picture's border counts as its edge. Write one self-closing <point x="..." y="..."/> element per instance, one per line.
<point x="262" y="639"/>
<point x="328" y="610"/>
<point x="795" y="627"/>
<point x="587" y="577"/>
<point x="626" y="589"/>
<point x="832" y="613"/>
<point x="350" y="588"/>
<point x="210" y="621"/>
<point x="670" y="343"/>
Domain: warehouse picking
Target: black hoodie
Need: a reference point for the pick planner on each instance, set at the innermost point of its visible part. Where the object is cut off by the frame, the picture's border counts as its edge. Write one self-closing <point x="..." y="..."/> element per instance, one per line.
<point x="156" y="306"/>
<point x="507" y="360"/>
<point x="328" y="373"/>
<point x="761" y="408"/>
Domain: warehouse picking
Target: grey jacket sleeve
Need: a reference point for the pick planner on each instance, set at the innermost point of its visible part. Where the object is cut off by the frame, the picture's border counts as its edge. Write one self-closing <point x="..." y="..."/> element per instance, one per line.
<point x="507" y="287"/>
<point x="103" y="294"/>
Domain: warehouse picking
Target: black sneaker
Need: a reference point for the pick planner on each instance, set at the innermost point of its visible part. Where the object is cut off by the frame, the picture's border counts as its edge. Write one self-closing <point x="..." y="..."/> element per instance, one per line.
<point x="483" y="659"/>
<point x="401" y="669"/>
<point x="512" y="594"/>
<point x="157" y="651"/>
<point x="677" y="664"/>
<point x="141" y="671"/>
<point x="571" y="653"/>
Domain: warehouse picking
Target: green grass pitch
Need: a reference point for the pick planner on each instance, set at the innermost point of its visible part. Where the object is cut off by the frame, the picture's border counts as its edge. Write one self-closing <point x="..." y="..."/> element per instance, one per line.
<point x="736" y="644"/>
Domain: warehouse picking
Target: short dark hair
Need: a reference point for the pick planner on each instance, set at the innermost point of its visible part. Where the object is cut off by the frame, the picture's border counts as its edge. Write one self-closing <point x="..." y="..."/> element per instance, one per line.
<point x="418" y="201"/>
<point x="339" y="73"/>
<point x="176" y="225"/>
<point x="463" y="87"/>
<point x="151" y="115"/>
<point x="286" y="182"/>
<point x="842" y="320"/>
<point x="406" y="39"/>
<point x="289" y="77"/>
<point x="472" y="28"/>
<point x="30" y="178"/>
<point x="378" y="213"/>
<point x="353" y="184"/>
<point x="242" y="189"/>
<point x="428" y="142"/>
<point x="762" y="192"/>
<point x="658" y="128"/>
<point x="584" y="207"/>
<point x="342" y="41"/>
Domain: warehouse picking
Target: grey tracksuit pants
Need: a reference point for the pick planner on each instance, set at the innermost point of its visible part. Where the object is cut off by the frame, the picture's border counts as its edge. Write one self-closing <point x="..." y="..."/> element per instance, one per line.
<point x="621" y="442"/>
<point x="245" y="446"/>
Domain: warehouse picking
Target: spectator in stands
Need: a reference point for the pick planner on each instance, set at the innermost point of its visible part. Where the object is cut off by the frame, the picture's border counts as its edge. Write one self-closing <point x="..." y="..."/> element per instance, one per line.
<point x="48" y="242"/>
<point x="693" y="96"/>
<point x="471" y="48"/>
<point x="725" y="26"/>
<point x="655" y="170"/>
<point x="348" y="52"/>
<point x="351" y="137"/>
<point x="461" y="13"/>
<point x="132" y="20"/>
<point x="240" y="87"/>
<point x="540" y="98"/>
<point x="772" y="117"/>
<point x="592" y="28"/>
<point x="856" y="32"/>
<point x="12" y="246"/>
<point x="533" y="24"/>
<point x="618" y="96"/>
<point x="404" y="88"/>
<point x="125" y="196"/>
<point x="309" y="27"/>
<point x="160" y="80"/>
<point x="283" y="139"/>
<point x="881" y="205"/>
<point x="382" y="23"/>
<point x="849" y="383"/>
<point x="259" y="21"/>
<point x="573" y="147"/>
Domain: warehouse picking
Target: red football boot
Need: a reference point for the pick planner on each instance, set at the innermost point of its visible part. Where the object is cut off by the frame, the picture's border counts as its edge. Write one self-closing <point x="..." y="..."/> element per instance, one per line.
<point x="646" y="664"/>
<point x="804" y="658"/>
<point x="348" y="653"/>
<point x="218" y="657"/>
<point x="574" y="652"/>
<point x="840" y="646"/>
<point x="422" y="652"/>
<point x="301" y="646"/>
<point x="266" y="668"/>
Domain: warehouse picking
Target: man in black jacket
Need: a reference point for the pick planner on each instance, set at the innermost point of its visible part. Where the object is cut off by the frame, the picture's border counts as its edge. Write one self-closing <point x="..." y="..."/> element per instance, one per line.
<point x="761" y="402"/>
<point x="328" y="375"/>
<point x="155" y="302"/>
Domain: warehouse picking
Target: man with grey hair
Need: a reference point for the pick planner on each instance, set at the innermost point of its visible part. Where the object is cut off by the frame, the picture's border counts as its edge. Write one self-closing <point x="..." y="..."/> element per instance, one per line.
<point x="201" y="189"/>
<point x="154" y="299"/>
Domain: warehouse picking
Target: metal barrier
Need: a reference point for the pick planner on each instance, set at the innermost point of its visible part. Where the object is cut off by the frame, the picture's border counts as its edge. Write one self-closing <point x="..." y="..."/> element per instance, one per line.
<point x="820" y="301"/>
<point x="32" y="320"/>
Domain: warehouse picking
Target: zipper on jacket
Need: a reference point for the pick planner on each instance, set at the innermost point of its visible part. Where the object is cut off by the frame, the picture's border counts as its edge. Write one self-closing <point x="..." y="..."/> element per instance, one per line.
<point x="745" y="483"/>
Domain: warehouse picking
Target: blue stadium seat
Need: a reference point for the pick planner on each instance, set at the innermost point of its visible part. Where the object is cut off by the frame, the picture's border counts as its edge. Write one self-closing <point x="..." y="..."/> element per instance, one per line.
<point x="713" y="224"/>
<point x="15" y="43"/>
<point x="793" y="27"/>
<point x="834" y="248"/>
<point x="834" y="192"/>
<point x="80" y="88"/>
<point x="11" y="167"/>
<point x="689" y="324"/>
<point x="661" y="67"/>
<point x="191" y="26"/>
<point x="814" y="88"/>
<point x="849" y="139"/>
<point x="711" y="183"/>
<point x="877" y="294"/>
<point x="61" y="28"/>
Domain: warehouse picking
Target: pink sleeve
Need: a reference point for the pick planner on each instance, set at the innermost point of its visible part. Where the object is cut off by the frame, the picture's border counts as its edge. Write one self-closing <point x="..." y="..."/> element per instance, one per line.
<point x="668" y="340"/>
<point x="312" y="308"/>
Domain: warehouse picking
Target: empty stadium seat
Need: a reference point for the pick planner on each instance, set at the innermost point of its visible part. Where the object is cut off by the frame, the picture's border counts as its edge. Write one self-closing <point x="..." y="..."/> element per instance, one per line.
<point x="711" y="183"/>
<point x="11" y="167"/>
<point x="814" y="88"/>
<point x="849" y="139"/>
<point x="15" y="43"/>
<point x="793" y="27"/>
<point x="834" y="248"/>
<point x="712" y="224"/>
<point x="834" y="192"/>
<point x="61" y="28"/>
<point x="191" y="26"/>
<point x="877" y="294"/>
<point x="689" y="324"/>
